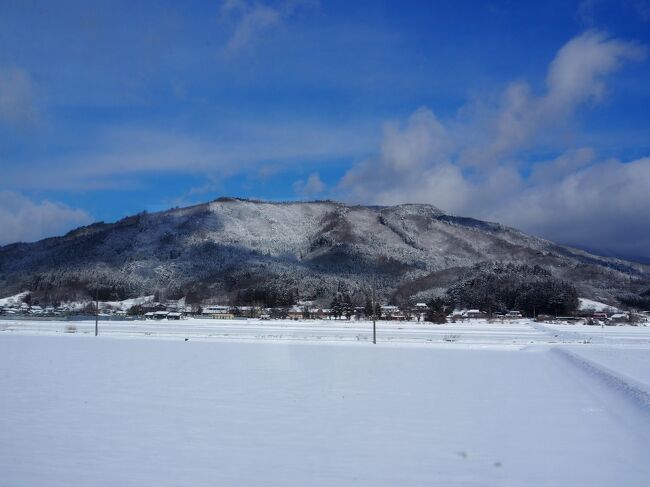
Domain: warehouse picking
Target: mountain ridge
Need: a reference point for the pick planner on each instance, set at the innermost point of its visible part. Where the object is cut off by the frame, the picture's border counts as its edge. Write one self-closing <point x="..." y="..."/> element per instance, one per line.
<point x="220" y="249"/>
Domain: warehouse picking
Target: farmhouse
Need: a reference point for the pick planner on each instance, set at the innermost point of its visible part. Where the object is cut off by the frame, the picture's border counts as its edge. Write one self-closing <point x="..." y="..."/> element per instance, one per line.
<point x="475" y="313"/>
<point x="217" y="312"/>
<point x="619" y="318"/>
<point x="295" y="313"/>
<point x="390" y="312"/>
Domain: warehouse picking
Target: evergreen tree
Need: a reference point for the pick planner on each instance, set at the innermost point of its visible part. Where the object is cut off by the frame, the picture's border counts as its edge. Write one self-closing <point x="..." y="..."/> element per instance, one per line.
<point x="436" y="311"/>
<point x="336" y="307"/>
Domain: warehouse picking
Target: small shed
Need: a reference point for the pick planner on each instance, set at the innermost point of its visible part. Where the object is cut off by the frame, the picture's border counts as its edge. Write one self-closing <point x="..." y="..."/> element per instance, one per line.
<point x="619" y="318"/>
<point x="475" y="313"/>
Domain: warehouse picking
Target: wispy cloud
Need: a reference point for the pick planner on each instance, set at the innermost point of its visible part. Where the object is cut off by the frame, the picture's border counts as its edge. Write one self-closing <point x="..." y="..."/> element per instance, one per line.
<point x="589" y="10"/>
<point x="23" y="219"/>
<point x="17" y="97"/>
<point x="119" y="157"/>
<point x="251" y="20"/>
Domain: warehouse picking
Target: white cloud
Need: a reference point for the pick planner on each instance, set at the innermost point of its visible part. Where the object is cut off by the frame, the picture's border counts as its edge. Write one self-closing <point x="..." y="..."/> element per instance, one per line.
<point x="472" y="166"/>
<point x="576" y="73"/>
<point x="576" y="76"/>
<point x="251" y="20"/>
<point x="17" y="100"/>
<point x="22" y="219"/>
<point x="313" y="186"/>
<point x="563" y="165"/>
<point x="602" y="206"/>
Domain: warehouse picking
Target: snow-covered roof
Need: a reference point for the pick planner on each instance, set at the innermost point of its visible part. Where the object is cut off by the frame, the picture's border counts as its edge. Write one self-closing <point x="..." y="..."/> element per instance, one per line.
<point x="215" y="309"/>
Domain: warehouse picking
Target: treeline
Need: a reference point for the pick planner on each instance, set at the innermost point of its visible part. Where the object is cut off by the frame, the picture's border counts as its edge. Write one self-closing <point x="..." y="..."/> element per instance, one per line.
<point x="497" y="288"/>
<point x="638" y="301"/>
<point x="268" y="297"/>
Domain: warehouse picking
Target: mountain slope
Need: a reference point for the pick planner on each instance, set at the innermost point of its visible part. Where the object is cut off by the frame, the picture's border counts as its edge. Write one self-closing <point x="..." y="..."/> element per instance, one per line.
<point x="220" y="249"/>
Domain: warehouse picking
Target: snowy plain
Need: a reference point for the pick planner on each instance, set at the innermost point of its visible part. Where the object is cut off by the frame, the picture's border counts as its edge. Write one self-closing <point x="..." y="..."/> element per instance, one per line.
<point x="316" y="403"/>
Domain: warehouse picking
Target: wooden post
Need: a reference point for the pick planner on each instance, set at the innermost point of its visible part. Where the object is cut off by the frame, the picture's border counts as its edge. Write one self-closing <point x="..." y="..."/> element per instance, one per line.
<point x="374" y="318"/>
<point x="97" y="312"/>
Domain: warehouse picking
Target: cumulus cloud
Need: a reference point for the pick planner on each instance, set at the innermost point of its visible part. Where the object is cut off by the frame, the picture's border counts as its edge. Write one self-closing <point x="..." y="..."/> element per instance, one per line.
<point x="17" y="100"/>
<point x="576" y="73"/>
<point x="603" y="206"/>
<point x="473" y="165"/>
<point x="251" y="20"/>
<point x="22" y="219"/>
<point x="311" y="187"/>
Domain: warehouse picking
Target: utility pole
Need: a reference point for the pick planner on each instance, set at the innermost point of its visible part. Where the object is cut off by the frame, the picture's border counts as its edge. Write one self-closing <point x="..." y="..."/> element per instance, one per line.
<point x="96" y="311"/>
<point x="374" y="317"/>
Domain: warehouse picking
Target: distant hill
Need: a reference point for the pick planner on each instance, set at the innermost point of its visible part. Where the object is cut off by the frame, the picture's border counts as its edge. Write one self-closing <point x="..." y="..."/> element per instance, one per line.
<point x="241" y="250"/>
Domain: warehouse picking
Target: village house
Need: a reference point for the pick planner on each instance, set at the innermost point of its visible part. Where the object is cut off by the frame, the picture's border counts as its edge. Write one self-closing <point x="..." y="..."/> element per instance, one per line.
<point x="619" y="318"/>
<point x="296" y="313"/>
<point x="544" y="318"/>
<point x="456" y="315"/>
<point x="36" y="310"/>
<point x="420" y="311"/>
<point x="317" y="313"/>
<point x="390" y="312"/>
<point x="217" y="312"/>
<point x="475" y="313"/>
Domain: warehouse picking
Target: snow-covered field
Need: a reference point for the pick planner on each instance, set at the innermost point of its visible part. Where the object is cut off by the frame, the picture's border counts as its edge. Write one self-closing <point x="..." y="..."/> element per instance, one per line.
<point x="316" y="403"/>
<point x="596" y="306"/>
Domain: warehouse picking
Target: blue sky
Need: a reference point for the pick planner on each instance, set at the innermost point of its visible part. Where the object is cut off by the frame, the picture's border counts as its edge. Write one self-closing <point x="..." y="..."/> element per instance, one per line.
<point x="534" y="114"/>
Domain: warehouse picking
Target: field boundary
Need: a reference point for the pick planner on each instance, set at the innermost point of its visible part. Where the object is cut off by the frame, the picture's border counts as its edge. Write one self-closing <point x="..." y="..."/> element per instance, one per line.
<point x="628" y="387"/>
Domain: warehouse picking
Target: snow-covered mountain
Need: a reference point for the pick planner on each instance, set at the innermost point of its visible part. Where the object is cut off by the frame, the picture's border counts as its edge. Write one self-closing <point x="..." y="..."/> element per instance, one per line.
<point x="227" y="247"/>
